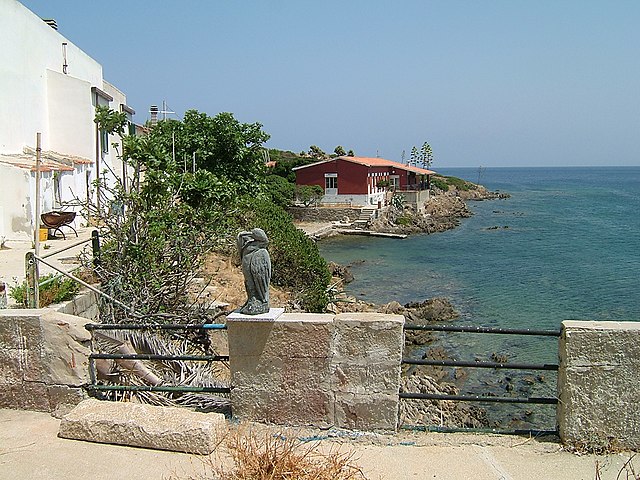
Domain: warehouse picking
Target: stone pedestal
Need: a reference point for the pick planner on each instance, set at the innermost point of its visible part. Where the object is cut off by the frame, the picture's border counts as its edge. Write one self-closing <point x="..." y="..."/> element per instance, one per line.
<point x="317" y="369"/>
<point x="598" y="383"/>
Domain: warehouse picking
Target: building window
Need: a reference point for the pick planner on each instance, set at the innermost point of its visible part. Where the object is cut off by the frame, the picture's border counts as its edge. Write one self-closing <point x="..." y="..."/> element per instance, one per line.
<point x="104" y="141"/>
<point x="331" y="181"/>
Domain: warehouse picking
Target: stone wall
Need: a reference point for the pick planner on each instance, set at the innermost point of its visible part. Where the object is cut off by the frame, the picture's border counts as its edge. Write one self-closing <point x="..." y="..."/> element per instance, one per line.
<point x="84" y="305"/>
<point x="43" y="359"/>
<point x="317" y="369"/>
<point x="324" y="214"/>
<point x="598" y="383"/>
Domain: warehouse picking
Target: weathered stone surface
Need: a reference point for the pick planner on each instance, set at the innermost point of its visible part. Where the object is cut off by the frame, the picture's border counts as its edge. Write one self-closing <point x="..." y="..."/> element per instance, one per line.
<point x="42" y="352"/>
<point x="65" y="349"/>
<point x="375" y="336"/>
<point x="364" y="377"/>
<point x="598" y="383"/>
<point x="84" y="305"/>
<point x="318" y="369"/>
<point x="162" y="428"/>
<point x="366" y="412"/>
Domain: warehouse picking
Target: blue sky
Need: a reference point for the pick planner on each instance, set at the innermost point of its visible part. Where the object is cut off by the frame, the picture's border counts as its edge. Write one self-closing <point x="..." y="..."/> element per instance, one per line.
<point x="491" y="83"/>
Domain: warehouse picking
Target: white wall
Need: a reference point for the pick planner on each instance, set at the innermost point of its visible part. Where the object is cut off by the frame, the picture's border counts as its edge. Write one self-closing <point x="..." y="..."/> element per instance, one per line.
<point x="37" y="96"/>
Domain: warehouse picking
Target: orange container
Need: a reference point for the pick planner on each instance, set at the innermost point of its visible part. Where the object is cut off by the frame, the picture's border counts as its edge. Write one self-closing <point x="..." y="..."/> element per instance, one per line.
<point x="44" y="234"/>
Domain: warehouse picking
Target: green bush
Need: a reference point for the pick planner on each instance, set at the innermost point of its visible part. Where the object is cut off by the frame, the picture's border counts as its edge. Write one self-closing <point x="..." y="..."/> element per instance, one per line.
<point x="439" y="183"/>
<point x="297" y="263"/>
<point x="60" y="289"/>
<point x="459" y="183"/>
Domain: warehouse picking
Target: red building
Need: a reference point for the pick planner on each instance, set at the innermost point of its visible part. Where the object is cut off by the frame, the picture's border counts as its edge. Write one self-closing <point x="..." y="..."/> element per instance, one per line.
<point x="361" y="180"/>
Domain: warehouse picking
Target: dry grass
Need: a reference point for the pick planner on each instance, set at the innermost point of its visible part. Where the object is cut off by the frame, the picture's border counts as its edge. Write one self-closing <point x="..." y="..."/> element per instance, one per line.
<point x="264" y="456"/>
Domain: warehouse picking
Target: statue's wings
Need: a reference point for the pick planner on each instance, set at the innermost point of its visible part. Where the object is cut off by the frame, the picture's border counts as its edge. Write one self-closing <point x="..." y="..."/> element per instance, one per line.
<point x="260" y="269"/>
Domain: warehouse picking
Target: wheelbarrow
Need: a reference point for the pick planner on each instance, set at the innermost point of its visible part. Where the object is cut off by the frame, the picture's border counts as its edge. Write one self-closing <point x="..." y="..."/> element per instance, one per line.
<point x="56" y="220"/>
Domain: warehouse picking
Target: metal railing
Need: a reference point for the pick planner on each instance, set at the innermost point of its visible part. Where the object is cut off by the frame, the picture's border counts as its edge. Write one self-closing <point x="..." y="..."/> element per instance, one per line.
<point x="32" y="272"/>
<point x="95" y="386"/>
<point x="481" y="364"/>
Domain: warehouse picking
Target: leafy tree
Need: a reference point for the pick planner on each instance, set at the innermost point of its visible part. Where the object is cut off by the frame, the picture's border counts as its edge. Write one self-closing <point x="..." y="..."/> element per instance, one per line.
<point x="221" y="145"/>
<point x="281" y="191"/>
<point x="351" y="154"/>
<point x="426" y="155"/>
<point x="309" y="194"/>
<point x="316" y="152"/>
<point x="339" y="151"/>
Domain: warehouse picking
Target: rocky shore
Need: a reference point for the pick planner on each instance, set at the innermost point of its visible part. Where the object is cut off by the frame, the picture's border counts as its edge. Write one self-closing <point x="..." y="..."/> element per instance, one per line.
<point x="442" y="212"/>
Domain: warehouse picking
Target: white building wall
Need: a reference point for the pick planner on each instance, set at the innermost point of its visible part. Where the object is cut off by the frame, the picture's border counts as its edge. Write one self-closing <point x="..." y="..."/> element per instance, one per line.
<point x="36" y="95"/>
<point x="16" y="207"/>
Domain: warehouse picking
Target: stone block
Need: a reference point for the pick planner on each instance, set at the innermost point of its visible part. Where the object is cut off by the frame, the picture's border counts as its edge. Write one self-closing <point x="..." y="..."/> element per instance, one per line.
<point x="366" y="412"/>
<point x="375" y="336"/>
<point x="65" y="350"/>
<point x="20" y="346"/>
<point x="25" y="396"/>
<point x="292" y="335"/>
<point x="302" y="406"/>
<point x="365" y="378"/>
<point x="148" y="426"/>
<point x="598" y="383"/>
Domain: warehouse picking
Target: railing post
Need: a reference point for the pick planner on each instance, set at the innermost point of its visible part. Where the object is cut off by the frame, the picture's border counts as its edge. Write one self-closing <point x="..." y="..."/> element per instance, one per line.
<point x="95" y="245"/>
<point x="31" y="273"/>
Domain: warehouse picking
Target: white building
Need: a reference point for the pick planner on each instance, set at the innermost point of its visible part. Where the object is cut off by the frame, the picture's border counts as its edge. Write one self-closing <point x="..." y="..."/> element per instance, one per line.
<point x="48" y="85"/>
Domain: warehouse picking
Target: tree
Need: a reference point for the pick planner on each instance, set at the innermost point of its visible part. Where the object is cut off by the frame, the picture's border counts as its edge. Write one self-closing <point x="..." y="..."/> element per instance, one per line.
<point x="414" y="156"/>
<point x="426" y="155"/>
<point x="221" y="145"/>
<point x="339" y="151"/>
<point x="316" y="152"/>
<point x="351" y="154"/>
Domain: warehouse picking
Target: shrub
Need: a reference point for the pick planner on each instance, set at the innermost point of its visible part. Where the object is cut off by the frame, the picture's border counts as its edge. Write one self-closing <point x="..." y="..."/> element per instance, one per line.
<point x="56" y="289"/>
<point x="440" y="183"/>
<point x="297" y="263"/>
<point x="276" y="457"/>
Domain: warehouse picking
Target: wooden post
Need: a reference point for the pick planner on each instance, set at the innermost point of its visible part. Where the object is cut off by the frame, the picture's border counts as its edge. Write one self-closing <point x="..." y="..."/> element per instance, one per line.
<point x="95" y="245"/>
<point x="33" y="267"/>
<point x="31" y="272"/>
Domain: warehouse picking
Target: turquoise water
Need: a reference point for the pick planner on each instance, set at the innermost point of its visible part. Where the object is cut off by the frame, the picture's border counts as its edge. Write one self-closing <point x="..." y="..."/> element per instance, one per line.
<point x="571" y="251"/>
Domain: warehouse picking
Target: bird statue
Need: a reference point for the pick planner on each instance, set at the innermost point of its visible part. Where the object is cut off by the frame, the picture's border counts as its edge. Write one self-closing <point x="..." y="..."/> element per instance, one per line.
<point x="256" y="268"/>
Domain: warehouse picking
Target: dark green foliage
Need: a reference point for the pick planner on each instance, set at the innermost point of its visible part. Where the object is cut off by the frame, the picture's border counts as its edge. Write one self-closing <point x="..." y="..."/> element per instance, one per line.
<point x="440" y="183"/>
<point x="281" y="191"/>
<point x="297" y="263"/>
<point x="58" y="290"/>
<point x="285" y="163"/>
<point x="339" y="151"/>
<point x="221" y="144"/>
<point x="309" y="194"/>
<point x="459" y="183"/>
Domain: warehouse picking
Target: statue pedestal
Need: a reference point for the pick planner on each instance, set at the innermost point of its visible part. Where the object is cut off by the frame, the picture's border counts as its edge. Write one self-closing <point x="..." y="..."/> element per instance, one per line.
<point x="271" y="316"/>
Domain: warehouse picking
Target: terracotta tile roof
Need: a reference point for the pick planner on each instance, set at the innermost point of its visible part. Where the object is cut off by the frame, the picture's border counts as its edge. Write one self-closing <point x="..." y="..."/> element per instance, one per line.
<point x="50" y="161"/>
<point x="373" y="162"/>
<point x="383" y="162"/>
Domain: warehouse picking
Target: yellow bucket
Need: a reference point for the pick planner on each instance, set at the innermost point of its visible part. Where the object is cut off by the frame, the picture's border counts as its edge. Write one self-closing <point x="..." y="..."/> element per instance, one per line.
<point x="44" y="234"/>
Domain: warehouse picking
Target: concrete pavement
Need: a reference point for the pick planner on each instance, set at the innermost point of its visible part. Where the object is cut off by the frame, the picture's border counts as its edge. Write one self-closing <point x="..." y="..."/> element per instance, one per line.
<point x="12" y="257"/>
<point x="30" y="449"/>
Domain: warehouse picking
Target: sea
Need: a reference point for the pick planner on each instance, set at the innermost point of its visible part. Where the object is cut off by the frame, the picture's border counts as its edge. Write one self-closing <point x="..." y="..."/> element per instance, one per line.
<point x="564" y="246"/>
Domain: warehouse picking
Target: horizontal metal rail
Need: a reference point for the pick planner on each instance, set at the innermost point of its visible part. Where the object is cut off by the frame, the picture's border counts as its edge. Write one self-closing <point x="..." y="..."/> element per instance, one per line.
<point x="68" y="247"/>
<point x="90" y="287"/>
<point x="150" y="388"/>
<point x="154" y="326"/>
<point x="499" y="431"/>
<point x="150" y="356"/>
<point x="478" y="398"/>
<point x="461" y="363"/>
<point x="472" y="329"/>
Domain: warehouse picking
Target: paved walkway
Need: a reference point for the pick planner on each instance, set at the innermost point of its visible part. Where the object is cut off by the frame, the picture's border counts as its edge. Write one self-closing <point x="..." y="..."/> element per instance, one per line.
<point x="31" y="450"/>
<point x="12" y="257"/>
